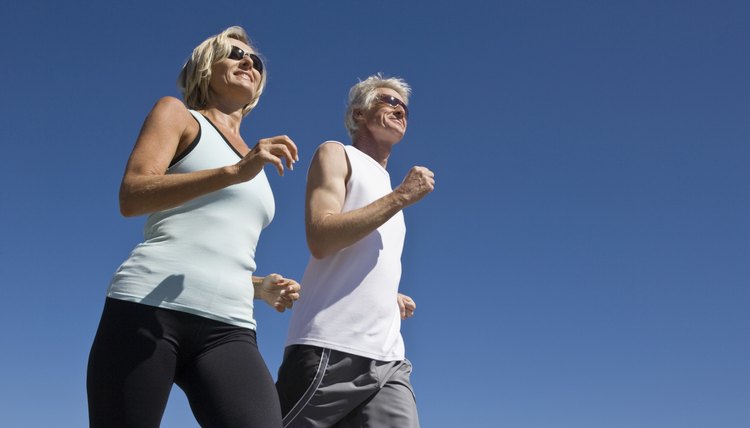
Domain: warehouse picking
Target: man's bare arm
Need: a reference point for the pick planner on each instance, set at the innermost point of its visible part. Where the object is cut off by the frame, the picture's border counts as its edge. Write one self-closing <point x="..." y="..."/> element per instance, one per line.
<point x="328" y="229"/>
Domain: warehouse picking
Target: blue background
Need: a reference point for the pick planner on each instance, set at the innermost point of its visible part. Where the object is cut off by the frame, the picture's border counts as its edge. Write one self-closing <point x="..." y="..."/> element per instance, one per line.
<point x="582" y="262"/>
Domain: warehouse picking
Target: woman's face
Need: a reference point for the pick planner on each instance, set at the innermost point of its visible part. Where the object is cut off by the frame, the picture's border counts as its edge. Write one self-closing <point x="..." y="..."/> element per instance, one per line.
<point x="235" y="79"/>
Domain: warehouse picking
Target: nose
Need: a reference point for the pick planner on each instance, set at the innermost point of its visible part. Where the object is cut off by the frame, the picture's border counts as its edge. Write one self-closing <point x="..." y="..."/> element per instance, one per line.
<point x="399" y="112"/>
<point x="252" y="61"/>
<point x="246" y="60"/>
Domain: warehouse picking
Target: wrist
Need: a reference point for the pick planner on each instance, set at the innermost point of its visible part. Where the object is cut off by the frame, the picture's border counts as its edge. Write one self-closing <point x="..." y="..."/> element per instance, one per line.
<point x="232" y="172"/>
<point x="400" y="199"/>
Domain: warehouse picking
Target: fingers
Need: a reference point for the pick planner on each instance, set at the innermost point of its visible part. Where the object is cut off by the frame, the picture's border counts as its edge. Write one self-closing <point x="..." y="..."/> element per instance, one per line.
<point x="289" y="147"/>
<point x="426" y="176"/>
<point x="290" y="293"/>
<point x="280" y="147"/>
<point x="286" y="291"/>
<point x="419" y="181"/>
<point x="406" y="306"/>
<point x="278" y="151"/>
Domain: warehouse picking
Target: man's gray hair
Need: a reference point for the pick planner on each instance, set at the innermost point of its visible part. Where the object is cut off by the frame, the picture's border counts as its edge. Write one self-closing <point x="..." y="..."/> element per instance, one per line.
<point x="362" y="96"/>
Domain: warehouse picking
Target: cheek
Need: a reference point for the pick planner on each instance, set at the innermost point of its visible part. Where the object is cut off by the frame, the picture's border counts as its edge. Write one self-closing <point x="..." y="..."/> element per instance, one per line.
<point x="216" y="78"/>
<point x="382" y="117"/>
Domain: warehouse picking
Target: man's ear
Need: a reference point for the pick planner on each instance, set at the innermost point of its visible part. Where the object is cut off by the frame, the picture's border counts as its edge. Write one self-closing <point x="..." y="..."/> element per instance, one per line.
<point x="358" y="115"/>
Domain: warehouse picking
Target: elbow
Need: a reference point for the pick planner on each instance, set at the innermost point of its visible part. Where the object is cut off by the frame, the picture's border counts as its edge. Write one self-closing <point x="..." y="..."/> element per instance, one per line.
<point x="127" y="213"/>
<point x="319" y="246"/>
<point x="316" y="250"/>
<point x="127" y="207"/>
<point x="126" y="210"/>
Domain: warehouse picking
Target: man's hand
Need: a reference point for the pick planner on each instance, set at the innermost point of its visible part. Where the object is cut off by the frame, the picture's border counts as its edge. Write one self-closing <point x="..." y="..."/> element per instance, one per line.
<point x="279" y="292"/>
<point x="419" y="181"/>
<point x="406" y="306"/>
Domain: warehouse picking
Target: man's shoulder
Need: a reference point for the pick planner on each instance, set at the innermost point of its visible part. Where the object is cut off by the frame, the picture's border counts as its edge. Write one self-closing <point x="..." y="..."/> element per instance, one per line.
<point x="331" y="148"/>
<point x="331" y="145"/>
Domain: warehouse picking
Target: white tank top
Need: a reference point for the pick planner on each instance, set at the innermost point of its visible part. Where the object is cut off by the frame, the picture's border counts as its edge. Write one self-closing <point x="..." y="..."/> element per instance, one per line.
<point x="199" y="257"/>
<point x="348" y="299"/>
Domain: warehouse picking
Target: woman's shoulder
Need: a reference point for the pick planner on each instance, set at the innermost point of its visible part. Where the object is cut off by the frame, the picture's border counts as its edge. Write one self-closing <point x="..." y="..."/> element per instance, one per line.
<point x="171" y="110"/>
<point x="170" y="114"/>
<point x="170" y="105"/>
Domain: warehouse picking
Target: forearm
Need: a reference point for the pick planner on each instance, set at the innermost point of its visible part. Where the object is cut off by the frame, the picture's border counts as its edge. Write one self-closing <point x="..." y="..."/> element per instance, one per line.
<point x="144" y="194"/>
<point x="332" y="232"/>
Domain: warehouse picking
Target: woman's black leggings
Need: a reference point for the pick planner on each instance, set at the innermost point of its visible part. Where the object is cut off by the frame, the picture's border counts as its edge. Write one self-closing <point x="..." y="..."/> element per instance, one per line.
<point x="140" y="351"/>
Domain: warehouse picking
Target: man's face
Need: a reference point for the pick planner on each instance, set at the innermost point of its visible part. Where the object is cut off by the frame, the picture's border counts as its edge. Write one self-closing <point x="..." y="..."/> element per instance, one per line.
<point x="385" y="121"/>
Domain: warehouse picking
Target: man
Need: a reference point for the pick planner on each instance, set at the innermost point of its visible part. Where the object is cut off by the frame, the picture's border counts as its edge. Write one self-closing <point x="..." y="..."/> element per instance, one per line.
<point x="344" y="363"/>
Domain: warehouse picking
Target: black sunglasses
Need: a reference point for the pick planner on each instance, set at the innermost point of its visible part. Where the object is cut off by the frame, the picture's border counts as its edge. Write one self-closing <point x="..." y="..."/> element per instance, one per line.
<point x="237" y="54"/>
<point x="394" y="102"/>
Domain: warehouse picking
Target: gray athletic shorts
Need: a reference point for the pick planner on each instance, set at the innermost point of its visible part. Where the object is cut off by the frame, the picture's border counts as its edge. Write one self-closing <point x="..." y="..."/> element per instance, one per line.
<point x="320" y="387"/>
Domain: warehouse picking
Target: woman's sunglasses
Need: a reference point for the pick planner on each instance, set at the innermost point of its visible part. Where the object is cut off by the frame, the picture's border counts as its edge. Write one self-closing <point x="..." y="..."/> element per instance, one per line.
<point x="394" y="102"/>
<point x="237" y="54"/>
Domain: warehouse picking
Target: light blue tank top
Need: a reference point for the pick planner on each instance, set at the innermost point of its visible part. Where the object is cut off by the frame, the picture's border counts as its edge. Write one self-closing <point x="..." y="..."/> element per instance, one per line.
<point x="199" y="257"/>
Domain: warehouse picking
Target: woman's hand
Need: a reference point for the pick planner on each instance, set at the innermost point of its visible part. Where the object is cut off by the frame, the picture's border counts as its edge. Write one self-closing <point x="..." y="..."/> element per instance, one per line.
<point x="279" y="292"/>
<point x="268" y="151"/>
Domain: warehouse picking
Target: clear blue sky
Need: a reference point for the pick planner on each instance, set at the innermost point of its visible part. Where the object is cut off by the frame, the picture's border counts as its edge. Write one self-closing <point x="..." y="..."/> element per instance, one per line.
<point x="584" y="261"/>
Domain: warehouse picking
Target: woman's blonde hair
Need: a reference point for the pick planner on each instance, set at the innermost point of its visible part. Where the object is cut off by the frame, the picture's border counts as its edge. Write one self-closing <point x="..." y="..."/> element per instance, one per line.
<point x="196" y="73"/>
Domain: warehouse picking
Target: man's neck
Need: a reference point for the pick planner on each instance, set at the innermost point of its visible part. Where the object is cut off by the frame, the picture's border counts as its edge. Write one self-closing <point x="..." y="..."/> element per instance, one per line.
<point x="379" y="151"/>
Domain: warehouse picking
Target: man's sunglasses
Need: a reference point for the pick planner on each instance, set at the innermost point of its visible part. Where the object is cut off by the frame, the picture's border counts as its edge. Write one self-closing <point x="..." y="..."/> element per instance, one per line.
<point x="237" y="54"/>
<point x="394" y="102"/>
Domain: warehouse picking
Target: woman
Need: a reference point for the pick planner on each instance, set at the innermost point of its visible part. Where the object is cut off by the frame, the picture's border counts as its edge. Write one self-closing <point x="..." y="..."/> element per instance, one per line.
<point x="180" y="308"/>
